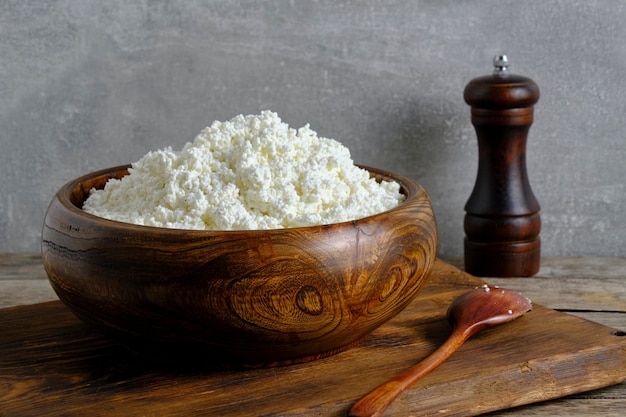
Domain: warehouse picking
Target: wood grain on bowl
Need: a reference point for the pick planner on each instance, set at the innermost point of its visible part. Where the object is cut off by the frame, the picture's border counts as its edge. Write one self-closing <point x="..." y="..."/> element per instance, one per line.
<point x="256" y="298"/>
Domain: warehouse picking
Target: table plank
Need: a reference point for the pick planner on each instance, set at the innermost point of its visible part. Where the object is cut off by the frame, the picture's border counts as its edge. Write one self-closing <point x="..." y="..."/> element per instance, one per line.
<point x="614" y="320"/>
<point x="21" y="266"/>
<point x="590" y="287"/>
<point x="569" y="407"/>
<point x="23" y="280"/>
<point x="15" y="292"/>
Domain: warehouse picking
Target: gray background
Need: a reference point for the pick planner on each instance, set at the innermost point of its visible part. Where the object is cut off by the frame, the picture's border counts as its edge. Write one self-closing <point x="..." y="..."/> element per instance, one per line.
<point x="86" y="85"/>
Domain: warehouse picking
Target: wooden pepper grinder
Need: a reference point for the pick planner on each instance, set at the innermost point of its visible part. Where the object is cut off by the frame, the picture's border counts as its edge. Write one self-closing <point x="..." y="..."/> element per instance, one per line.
<point x="502" y="221"/>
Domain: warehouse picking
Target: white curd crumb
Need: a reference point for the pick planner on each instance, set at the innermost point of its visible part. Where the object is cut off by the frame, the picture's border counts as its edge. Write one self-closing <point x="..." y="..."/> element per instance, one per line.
<point x="252" y="172"/>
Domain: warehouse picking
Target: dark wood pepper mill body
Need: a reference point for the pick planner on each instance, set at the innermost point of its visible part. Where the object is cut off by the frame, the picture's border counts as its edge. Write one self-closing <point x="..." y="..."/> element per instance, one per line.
<point x="502" y="221"/>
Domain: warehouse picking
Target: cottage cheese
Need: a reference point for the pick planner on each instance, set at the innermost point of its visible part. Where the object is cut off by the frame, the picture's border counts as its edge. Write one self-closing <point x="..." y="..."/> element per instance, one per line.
<point x="252" y="172"/>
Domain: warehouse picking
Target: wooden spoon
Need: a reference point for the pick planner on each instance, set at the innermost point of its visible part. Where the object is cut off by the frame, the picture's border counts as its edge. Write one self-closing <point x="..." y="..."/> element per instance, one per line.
<point x="469" y="313"/>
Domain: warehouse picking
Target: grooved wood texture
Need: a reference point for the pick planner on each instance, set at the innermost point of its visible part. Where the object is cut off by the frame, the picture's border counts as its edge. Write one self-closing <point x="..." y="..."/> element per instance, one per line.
<point x="51" y="363"/>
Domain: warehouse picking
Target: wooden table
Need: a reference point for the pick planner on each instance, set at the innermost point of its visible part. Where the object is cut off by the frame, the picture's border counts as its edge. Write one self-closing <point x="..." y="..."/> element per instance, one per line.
<point x="592" y="288"/>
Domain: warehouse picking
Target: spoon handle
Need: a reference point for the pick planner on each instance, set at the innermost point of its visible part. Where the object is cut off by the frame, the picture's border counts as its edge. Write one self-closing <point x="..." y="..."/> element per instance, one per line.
<point x="376" y="401"/>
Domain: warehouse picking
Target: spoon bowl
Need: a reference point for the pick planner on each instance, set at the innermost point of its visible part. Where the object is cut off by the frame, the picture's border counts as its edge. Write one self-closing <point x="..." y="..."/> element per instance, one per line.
<point x="485" y="307"/>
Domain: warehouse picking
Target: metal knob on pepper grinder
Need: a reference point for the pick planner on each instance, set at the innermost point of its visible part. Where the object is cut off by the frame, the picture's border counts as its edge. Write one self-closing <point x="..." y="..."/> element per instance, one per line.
<point x="502" y="221"/>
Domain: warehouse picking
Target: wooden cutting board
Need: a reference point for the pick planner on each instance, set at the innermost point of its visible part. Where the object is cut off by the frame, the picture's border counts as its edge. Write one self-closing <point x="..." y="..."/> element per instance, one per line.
<point x="52" y="364"/>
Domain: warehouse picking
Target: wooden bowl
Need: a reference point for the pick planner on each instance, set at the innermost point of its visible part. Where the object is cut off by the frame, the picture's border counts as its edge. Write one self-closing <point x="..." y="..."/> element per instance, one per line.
<point x="228" y="298"/>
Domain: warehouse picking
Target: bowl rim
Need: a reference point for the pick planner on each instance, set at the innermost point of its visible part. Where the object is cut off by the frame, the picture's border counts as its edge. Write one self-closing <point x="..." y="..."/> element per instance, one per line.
<point x="412" y="190"/>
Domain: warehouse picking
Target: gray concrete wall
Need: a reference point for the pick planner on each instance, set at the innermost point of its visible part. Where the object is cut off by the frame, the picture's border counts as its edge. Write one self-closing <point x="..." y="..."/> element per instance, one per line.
<point x="88" y="84"/>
